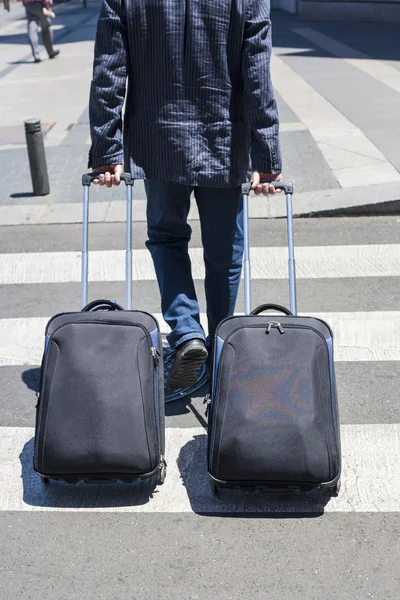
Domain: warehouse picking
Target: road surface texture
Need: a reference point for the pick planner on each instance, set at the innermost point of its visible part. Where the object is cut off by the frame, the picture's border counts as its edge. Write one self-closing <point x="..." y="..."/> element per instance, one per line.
<point x="124" y="542"/>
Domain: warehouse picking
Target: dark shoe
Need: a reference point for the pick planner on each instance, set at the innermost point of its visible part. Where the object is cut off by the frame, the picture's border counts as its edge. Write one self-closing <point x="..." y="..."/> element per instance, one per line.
<point x="190" y="356"/>
<point x="54" y="54"/>
<point x="38" y="60"/>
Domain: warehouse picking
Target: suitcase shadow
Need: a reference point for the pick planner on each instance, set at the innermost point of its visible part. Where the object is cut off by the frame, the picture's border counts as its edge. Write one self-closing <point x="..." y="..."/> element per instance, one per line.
<point x="81" y="496"/>
<point x="192" y="465"/>
<point x="31" y="378"/>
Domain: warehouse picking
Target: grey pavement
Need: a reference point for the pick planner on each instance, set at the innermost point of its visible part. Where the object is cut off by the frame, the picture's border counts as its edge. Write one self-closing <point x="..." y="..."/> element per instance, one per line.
<point x="314" y="161"/>
<point x="113" y="543"/>
<point x="340" y="556"/>
<point x="299" y="551"/>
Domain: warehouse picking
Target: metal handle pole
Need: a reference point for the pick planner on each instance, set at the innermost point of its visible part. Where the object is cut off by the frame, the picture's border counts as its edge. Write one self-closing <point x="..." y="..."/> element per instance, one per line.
<point x="85" y="229"/>
<point x="291" y="261"/>
<point x="128" y="259"/>
<point x="246" y="256"/>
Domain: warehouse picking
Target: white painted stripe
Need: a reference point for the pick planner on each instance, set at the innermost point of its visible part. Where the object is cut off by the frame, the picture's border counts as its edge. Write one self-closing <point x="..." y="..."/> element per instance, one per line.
<point x="85" y="72"/>
<point x="49" y="214"/>
<point x="370" y="480"/>
<point x="378" y="69"/>
<point x="354" y="160"/>
<point x="296" y="126"/>
<point x="375" y="260"/>
<point x="359" y="336"/>
<point x="59" y="132"/>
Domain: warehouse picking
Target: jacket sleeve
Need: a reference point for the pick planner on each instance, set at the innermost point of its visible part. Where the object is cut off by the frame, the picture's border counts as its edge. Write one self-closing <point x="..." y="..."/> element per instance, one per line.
<point x="107" y="92"/>
<point x="261" y="109"/>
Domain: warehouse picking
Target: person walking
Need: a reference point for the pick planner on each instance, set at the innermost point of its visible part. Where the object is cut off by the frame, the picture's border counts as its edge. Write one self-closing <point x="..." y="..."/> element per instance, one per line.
<point x="200" y="116"/>
<point x="38" y="12"/>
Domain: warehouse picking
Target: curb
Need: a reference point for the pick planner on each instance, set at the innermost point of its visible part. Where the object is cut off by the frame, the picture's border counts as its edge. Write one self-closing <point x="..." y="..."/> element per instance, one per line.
<point x="362" y="201"/>
<point x="380" y="209"/>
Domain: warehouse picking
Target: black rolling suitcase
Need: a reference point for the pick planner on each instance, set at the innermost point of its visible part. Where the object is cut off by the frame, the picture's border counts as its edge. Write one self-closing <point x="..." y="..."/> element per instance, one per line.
<point x="273" y="415"/>
<point x="100" y="413"/>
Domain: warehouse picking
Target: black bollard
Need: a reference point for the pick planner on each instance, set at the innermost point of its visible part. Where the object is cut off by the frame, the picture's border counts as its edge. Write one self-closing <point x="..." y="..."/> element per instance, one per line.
<point x="37" y="157"/>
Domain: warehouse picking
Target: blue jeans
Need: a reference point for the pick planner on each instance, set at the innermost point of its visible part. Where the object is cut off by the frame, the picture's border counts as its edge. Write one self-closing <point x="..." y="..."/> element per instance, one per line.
<point x="221" y="219"/>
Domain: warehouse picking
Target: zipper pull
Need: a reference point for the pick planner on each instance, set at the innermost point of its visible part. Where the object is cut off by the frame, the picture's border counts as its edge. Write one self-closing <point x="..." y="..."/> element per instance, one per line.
<point x="275" y="324"/>
<point x="155" y="355"/>
<point x="207" y="402"/>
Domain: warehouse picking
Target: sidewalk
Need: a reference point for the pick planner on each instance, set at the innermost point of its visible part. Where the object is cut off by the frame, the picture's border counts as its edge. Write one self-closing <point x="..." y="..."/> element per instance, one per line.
<point x="338" y="90"/>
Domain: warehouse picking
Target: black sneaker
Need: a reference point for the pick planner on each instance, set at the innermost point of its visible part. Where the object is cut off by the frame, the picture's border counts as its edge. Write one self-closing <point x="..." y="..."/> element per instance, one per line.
<point x="54" y="54"/>
<point x="190" y="356"/>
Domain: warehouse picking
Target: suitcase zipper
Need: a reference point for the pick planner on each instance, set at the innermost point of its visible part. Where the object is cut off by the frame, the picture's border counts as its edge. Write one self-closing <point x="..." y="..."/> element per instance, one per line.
<point x="258" y="317"/>
<point x="63" y="314"/>
<point x="274" y="324"/>
<point x="155" y="354"/>
<point x="39" y="404"/>
<point x="207" y="402"/>
<point x="211" y="403"/>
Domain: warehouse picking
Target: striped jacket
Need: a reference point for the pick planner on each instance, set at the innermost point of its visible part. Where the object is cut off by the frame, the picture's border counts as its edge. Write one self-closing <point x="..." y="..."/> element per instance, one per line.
<point x="199" y="101"/>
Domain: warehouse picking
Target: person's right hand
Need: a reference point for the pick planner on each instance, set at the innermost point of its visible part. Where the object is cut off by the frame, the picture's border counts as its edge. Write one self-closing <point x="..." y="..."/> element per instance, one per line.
<point x="110" y="175"/>
<point x="261" y="181"/>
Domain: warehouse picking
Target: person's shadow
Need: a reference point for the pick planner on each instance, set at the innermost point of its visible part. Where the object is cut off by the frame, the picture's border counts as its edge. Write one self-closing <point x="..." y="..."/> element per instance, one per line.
<point x="81" y="496"/>
<point x="192" y="464"/>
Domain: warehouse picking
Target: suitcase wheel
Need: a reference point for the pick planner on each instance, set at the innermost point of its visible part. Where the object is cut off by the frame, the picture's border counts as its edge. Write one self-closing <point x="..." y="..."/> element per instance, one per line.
<point x="214" y="489"/>
<point x="336" y="489"/>
<point x="45" y="480"/>
<point x="162" y="474"/>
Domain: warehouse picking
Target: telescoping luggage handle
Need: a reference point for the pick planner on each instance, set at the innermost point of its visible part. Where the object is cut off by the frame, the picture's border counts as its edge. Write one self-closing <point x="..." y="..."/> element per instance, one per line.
<point x="87" y="179"/>
<point x="288" y="189"/>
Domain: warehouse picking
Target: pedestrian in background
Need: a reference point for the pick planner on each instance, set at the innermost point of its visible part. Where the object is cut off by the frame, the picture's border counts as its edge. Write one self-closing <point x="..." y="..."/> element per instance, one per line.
<point x="39" y="12"/>
<point x="200" y="114"/>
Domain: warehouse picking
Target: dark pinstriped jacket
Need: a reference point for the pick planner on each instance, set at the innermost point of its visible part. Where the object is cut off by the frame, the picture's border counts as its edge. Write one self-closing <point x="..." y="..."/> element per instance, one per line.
<point x="199" y="95"/>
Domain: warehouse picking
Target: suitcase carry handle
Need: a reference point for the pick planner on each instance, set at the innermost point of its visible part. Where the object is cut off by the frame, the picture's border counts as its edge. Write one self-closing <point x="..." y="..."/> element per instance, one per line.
<point x="101" y="305"/>
<point x="87" y="179"/>
<point x="264" y="307"/>
<point x="288" y="189"/>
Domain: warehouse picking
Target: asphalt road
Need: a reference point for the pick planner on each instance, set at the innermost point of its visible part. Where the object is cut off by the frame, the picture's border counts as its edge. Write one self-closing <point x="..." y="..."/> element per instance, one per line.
<point x="121" y="543"/>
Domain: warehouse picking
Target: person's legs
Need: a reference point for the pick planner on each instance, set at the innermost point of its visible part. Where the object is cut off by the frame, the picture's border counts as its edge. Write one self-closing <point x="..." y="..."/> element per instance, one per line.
<point x="35" y="15"/>
<point x="47" y="34"/>
<point x="221" y="216"/>
<point x="33" y="22"/>
<point x="169" y="234"/>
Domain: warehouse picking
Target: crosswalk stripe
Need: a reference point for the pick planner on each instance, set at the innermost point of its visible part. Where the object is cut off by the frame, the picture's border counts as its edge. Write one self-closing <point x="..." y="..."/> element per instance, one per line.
<point x="349" y="153"/>
<point x="370" y="480"/>
<point x="260" y="207"/>
<point x="375" y="260"/>
<point x="359" y="336"/>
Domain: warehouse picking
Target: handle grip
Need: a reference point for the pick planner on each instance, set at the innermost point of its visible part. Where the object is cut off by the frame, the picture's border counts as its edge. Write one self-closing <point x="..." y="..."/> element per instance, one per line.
<point x="278" y="185"/>
<point x="87" y="178"/>
<point x="264" y="307"/>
